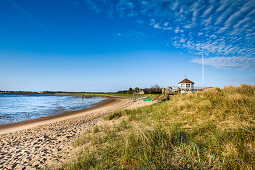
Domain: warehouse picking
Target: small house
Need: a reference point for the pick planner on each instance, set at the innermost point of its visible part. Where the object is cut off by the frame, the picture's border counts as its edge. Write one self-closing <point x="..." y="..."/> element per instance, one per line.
<point x="141" y="92"/>
<point x="186" y="86"/>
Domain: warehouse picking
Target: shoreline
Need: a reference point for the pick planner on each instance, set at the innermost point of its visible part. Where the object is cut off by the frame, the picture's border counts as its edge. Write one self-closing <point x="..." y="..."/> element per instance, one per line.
<point x="6" y="128"/>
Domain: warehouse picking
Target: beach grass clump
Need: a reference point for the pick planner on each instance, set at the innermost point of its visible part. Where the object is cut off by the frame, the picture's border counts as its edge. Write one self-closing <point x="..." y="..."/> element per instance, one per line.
<point x="114" y="115"/>
<point x="211" y="129"/>
<point x="96" y="129"/>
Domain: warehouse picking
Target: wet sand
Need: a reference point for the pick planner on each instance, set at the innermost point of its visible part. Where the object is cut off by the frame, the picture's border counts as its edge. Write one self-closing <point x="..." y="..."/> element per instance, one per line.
<point x="40" y="143"/>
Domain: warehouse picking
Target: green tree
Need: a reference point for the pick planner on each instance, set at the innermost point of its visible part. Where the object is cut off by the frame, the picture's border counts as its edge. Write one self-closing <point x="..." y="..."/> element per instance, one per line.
<point x="137" y="89"/>
<point x="130" y="90"/>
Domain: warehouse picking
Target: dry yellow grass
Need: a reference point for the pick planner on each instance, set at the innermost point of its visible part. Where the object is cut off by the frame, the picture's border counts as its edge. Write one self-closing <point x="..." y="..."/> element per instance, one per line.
<point x="211" y="129"/>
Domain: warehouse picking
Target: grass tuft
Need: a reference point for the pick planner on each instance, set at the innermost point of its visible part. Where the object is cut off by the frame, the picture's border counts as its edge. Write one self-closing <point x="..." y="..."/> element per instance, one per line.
<point x="96" y="129"/>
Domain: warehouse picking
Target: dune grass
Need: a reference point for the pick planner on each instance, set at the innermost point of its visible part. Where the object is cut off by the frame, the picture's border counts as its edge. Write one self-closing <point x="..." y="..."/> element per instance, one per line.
<point x="212" y="129"/>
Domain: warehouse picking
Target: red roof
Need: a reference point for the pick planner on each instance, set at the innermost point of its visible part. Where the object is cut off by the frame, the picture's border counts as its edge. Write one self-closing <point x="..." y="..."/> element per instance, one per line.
<point x="186" y="81"/>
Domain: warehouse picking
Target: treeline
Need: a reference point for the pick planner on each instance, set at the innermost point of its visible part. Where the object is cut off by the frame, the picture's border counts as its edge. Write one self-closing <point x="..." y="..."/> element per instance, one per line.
<point x="153" y="90"/>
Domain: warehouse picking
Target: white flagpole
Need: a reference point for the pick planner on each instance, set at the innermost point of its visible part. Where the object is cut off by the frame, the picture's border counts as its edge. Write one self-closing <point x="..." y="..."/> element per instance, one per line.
<point x="203" y="71"/>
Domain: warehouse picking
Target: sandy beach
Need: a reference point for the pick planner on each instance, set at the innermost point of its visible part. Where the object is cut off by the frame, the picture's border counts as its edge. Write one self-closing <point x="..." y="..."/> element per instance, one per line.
<point x="41" y="143"/>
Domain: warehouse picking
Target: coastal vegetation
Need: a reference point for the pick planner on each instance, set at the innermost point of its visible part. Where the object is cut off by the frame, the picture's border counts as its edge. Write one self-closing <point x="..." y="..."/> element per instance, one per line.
<point x="155" y="89"/>
<point x="100" y="94"/>
<point x="210" y="129"/>
<point x="125" y="95"/>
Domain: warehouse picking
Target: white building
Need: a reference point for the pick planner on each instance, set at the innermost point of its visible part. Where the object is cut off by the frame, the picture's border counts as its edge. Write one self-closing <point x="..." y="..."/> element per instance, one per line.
<point x="186" y="86"/>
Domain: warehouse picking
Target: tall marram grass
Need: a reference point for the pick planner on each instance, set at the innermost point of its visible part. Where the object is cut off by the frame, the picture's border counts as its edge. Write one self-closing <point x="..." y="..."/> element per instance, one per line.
<point x="212" y="129"/>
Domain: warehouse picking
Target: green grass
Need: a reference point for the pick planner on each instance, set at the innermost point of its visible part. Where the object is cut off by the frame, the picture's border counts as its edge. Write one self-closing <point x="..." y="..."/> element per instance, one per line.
<point x="105" y="94"/>
<point x="114" y="94"/>
<point x="101" y="94"/>
<point x="212" y="129"/>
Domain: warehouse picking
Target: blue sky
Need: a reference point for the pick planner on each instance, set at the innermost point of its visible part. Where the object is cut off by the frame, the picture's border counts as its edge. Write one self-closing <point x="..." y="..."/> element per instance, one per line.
<point x="110" y="45"/>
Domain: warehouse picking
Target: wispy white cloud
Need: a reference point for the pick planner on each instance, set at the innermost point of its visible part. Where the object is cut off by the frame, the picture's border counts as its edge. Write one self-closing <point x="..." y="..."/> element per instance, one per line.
<point x="240" y="22"/>
<point x="238" y="63"/>
<point x="223" y="5"/>
<point x="235" y="15"/>
<point x="195" y="11"/>
<point x="157" y="26"/>
<point x="208" y="20"/>
<point x="219" y="28"/>
<point x="207" y="11"/>
<point x="177" y="30"/>
<point x="175" y="5"/>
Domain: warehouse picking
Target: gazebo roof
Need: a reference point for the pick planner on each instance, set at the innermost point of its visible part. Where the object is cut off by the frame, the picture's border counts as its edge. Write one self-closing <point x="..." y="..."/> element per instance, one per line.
<point x="186" y="81"/>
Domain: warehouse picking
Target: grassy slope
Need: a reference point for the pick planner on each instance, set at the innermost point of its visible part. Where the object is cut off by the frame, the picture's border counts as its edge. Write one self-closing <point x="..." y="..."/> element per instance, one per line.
<point x="210" y="129"/>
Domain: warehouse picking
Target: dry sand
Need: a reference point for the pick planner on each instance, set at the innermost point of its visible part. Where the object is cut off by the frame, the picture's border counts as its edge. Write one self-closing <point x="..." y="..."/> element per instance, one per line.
<point x="42" y="142"/>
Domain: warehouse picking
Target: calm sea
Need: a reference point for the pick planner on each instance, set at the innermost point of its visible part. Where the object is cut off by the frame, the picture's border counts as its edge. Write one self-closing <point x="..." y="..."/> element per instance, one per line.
<point x="15" y="108"/>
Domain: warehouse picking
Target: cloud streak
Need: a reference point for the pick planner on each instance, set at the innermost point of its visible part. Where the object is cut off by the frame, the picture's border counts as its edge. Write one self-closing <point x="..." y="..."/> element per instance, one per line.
<point x="223" y="29"/>
<point x="237" y="63"/>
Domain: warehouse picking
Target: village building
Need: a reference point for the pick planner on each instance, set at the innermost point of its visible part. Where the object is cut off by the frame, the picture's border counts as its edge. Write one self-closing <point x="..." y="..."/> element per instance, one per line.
<point x="186" y="86"/>
<point x="141" y="92"/>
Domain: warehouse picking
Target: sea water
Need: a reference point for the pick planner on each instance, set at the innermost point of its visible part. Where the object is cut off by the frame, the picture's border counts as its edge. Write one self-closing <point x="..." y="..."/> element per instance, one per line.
<point x="19" y="107"/>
